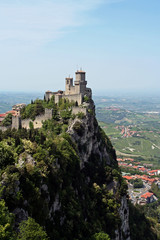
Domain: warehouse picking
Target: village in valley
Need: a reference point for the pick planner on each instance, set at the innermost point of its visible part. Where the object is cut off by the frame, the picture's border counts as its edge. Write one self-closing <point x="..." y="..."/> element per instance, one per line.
<point x="132" y="124"/>
<point x="140" y="178"/>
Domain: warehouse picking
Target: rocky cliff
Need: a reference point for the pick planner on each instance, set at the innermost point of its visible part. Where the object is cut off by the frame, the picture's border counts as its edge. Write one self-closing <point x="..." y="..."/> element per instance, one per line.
<point x="65" y="176"/>
<point x="93" y="145"/>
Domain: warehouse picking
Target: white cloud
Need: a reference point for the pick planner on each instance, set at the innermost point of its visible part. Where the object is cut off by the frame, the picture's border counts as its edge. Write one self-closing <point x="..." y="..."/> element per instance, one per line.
<point x="40" y="21"/>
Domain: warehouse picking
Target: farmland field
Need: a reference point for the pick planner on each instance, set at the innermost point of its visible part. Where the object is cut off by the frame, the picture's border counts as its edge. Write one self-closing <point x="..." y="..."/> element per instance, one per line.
<point x="133" y="126"/>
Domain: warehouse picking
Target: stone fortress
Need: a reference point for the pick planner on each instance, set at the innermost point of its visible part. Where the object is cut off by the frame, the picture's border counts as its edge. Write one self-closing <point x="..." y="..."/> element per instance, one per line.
<point x="75" y="93"/>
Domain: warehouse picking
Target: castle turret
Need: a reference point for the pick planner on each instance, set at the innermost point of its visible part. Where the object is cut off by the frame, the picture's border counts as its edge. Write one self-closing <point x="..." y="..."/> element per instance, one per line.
<point x="80" y="82"/>
<point x="69" y="86"/>
<point x="48" y="95"/>
<point x="16" y="122"/>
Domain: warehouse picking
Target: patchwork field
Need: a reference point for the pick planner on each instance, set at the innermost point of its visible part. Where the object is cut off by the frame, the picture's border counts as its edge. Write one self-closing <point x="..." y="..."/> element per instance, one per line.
<point x="133" y="131"/>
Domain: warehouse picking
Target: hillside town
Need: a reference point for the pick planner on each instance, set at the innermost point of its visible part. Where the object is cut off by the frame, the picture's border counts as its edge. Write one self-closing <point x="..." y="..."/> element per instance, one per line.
<point x="136" y="172"/>
<point x="127" y="132"/>
<point x="14" y="112"/>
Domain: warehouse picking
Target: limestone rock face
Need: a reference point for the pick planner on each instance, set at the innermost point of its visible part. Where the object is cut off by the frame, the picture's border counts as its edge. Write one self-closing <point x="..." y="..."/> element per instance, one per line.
<point x="123" y="232"/>
<point x="20" y="214"/>
<point x="85" y="132"/>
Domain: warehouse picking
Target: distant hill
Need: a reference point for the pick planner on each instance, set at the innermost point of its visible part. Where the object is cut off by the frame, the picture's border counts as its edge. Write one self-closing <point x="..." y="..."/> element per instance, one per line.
<point x="8" y="99"/>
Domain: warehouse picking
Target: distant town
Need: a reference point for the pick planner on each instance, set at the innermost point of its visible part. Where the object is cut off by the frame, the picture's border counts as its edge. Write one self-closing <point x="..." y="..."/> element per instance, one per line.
<point x="139" y="178"/>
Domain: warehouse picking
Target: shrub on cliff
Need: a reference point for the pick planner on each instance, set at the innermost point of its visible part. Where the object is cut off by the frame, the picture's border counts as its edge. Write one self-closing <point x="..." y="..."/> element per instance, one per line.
<point x="30" y="230"/>
<point x="100" y="236"/>
<point x="8" y="120"/>
<point x="6" y="223"/>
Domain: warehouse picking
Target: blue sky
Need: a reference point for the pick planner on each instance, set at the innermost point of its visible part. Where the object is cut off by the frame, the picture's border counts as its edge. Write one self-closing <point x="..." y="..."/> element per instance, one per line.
<point x="117" y="42"/>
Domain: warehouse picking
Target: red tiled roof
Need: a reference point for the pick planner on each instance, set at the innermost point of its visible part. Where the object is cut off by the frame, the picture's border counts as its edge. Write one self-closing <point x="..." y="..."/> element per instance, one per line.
<point x="127" y="177"/>
<point x="151" y="180"/>
<point x="135" y="167"/>
<point x="152" y="171"/>
<point x="119" y="159"/>
<point x="14" y="113"/>
<point x="146" y="195"/>
<point x="142" y="169"/>
<point x="2" y="114"/>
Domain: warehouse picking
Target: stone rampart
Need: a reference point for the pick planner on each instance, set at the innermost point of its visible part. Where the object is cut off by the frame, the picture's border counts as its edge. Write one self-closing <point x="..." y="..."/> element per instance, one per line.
<point x="48" y="113"/>
<point x="76" y="98"/>
<point x="37" y="123"/>
<point x="76" y="110"/>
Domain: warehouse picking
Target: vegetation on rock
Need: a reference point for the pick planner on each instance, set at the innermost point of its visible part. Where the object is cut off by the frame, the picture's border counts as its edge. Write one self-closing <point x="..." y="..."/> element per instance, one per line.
<point x="46" y="193"/>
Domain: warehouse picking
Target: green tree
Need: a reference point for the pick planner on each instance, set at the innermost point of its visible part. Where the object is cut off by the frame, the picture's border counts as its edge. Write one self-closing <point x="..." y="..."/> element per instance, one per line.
<point x="39" y="109"/>
<point x="138" y="183"/>
<point x="31" y="126"/>
<point x="6" y="223"/>
<point x="8" y="120"/>
<point x="100" y="236"/>
<point x="6" y="155"/>
<point x="30" y="230"/>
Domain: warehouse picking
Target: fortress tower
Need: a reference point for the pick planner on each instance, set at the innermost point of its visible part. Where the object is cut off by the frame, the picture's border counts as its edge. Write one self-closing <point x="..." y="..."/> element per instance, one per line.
<point x="69" y="86"/>
<point x="80" y="82"/>
<point x="72" y="92"/>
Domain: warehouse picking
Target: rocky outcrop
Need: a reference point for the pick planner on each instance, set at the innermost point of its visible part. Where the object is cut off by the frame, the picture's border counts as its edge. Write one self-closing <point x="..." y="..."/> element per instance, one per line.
<point x="86" y="134"/>
<point x="123" y="232"/>
<point x="58" y="188"/>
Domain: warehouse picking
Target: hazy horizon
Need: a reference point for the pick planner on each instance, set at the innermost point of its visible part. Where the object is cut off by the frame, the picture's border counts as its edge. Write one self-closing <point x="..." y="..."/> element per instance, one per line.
<point x="99" y="93"/>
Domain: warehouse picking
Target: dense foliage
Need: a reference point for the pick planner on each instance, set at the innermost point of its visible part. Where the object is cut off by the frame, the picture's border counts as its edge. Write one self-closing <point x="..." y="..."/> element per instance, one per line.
<point x="29" y="229"/>
<point x="38" y="106"/>
<point x="8" y="120"/>
<point x="142" y="226"/>
<point x="40" y="173"/>
<point x="44" y="188"/>
<point x="138" y="183"/>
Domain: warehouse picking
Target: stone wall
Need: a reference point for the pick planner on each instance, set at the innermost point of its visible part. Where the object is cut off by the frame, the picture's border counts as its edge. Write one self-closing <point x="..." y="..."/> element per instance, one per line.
<point x="76" y="97"/>
<point x="48" y="95"/>
<point x="48" y="113"/>
<point x="76" y="110"/>
<point x="16" y="122"/>
<point x="57" y="98"/>
<point x="37" y="123"/>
